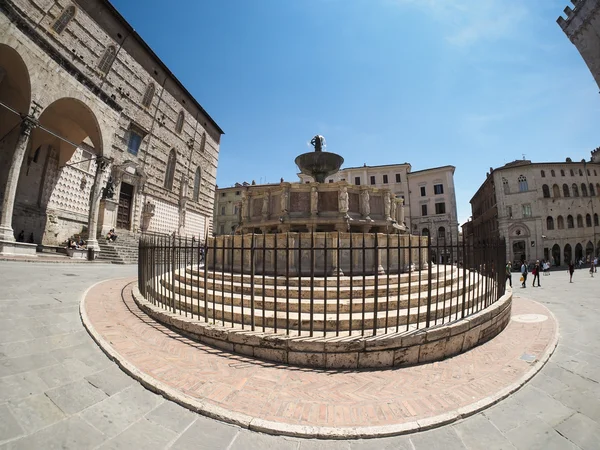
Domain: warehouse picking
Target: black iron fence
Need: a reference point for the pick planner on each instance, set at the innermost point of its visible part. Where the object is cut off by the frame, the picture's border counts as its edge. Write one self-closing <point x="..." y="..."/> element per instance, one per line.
<point x="321" y="284"/>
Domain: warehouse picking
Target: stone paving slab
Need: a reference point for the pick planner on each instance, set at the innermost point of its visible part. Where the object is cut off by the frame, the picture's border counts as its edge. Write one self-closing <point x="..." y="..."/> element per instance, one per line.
<point x="315" y="403"/>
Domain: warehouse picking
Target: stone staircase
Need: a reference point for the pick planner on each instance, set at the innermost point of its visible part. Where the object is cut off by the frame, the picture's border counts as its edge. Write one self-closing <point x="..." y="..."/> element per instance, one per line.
<point x="123" y="251"/>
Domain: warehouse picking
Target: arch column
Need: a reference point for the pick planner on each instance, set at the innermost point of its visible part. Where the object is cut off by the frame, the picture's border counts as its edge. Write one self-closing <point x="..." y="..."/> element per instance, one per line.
<point x="102" y="164"/>
<point x="6" y="232"/>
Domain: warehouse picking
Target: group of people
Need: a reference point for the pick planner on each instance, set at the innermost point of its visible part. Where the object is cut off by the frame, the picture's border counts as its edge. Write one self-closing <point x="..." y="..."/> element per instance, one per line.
<point x="77" y="243"/>
<point x="544" y="267"/>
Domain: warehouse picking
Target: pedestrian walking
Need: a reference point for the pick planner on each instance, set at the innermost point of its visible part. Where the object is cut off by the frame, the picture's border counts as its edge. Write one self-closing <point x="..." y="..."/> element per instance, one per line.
<point x="571" y="270"/>
<point x="536" y="273"/>
<point x="596" y="264"/>
<point x="592" y="269"/>
<point x="523" y="273"/>
<point x="509" y="273"/>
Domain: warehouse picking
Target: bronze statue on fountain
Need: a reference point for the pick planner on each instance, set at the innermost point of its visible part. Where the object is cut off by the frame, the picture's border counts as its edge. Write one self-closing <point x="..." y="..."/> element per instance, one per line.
<point x="319" y="164"/>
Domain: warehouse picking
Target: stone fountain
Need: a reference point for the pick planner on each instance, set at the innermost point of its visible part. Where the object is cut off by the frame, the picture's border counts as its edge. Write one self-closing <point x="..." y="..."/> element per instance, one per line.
<point x="319" y="206"/>
<point x="319" y="164"/>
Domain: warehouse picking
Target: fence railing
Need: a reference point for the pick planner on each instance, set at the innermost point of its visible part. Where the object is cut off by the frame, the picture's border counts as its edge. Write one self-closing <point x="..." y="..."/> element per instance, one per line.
<point x="321" y="283"/>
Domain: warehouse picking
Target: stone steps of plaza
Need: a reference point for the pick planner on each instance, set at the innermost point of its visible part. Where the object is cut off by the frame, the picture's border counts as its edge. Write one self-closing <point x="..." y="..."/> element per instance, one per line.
<point x="332" y="281"/>
<point x="379" y="321"/>
<point x="439" y="284"/>
<point x="123" y="251"/>
<point x="331" y="304"/>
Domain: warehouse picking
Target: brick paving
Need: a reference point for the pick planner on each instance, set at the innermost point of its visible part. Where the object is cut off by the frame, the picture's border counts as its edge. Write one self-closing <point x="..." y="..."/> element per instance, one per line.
<point x="302" y="396"/>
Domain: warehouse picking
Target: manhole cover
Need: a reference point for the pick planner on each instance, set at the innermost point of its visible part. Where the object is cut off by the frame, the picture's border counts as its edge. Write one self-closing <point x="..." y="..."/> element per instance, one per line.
<point x="529" y="318"/>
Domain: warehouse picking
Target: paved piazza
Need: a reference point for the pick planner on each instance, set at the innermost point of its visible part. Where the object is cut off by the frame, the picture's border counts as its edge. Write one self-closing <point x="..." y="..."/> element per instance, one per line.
<point x="59" y="390"/>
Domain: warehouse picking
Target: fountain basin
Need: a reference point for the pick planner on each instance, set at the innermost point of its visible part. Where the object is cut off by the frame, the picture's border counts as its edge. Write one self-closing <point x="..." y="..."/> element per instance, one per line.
<point x="319" y="165"/>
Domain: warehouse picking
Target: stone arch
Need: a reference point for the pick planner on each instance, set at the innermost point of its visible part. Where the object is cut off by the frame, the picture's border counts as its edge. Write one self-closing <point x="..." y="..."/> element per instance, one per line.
<point x="584" y="190"/>
<point x="15" y="92"/>
<point x="588" y="220"/>
<point x="555" y="191"/>
<point x="570" y="223"/>
<point x="568" y="254"/>
<point x="575" y="190"/>
<point x="579" y="221"/>
<point x="556" y="254"/>
<point x="566" y="192"/>
<point x="578" y="252"/>
<point x="560" y="222"/>
<point x="50" y="184"/>
<point x="589" y="250"/>
<point x="549" y="223"/>
<point x="592" y="191"/>
<point x="546" y="191"/>
<point x="425" y="232"/>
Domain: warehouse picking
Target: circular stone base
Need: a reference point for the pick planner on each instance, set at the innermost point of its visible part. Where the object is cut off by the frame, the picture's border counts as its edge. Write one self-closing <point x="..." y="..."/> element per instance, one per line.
<point x="315" y="403"/>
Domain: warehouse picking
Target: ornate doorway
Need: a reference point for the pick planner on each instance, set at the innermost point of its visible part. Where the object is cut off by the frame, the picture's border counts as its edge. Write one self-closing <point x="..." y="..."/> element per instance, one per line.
<point x="124" y="211"/>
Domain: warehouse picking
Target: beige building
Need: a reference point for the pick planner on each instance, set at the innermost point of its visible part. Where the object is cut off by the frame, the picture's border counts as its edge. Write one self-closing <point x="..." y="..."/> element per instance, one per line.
<point x="582" y="27"/>
<point x="543" y="210"/>
<point x="84" y="99"/>
<point x="429" y="195"/>
<point x="226" y="212"/>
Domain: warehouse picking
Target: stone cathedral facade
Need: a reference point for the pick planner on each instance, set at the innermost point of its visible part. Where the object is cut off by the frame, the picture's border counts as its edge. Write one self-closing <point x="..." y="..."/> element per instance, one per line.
<point x="95" y="131"/>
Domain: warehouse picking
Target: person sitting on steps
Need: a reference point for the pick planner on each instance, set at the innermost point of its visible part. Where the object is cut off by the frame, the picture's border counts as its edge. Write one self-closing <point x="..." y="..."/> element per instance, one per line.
<point x="111" y="236"/>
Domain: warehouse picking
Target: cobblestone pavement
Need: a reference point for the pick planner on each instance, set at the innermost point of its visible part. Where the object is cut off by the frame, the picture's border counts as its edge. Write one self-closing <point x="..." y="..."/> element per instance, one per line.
<point x="292" y="398"/>
<point x="58" y="390"/>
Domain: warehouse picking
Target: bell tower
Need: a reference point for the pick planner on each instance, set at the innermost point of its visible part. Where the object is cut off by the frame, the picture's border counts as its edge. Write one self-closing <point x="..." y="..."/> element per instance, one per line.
<point x="582" y="27"/>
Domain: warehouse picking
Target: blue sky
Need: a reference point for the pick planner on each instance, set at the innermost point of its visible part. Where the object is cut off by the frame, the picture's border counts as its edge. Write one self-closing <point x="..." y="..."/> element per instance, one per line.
<point x="474" y="84"/>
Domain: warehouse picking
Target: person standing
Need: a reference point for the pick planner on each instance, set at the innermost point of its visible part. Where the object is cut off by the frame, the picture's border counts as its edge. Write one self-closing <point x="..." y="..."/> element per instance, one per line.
<point x="509" y="273"/>
<point x="571" y="270"/>
<point x="536" y="273"/>
<point x="524" y="273"/>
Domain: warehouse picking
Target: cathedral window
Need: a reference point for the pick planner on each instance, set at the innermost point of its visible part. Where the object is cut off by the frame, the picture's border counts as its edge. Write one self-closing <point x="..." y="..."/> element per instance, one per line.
<point x="179" y="124"/>
<point x="148" y="95"/>
<point x="170" y="172"/>
<point x="107" y="59"/>
<point x="64" y="19"/>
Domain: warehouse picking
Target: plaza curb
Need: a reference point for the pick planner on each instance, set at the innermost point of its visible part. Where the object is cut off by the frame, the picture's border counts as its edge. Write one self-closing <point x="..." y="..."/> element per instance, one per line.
<point x="305" y="431"/>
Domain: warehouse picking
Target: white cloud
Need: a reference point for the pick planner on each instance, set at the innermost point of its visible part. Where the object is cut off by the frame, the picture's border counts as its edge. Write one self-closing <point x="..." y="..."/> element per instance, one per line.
<point x="469" y="21"/>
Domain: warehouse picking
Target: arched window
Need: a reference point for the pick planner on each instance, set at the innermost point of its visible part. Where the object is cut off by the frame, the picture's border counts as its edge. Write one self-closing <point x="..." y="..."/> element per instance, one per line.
<point x="441" y="233"/>
<point x="107" y="59"/>
<point x="64" y="19"/>
<point x="545" y="190"/>
<point x="148" y="95"/>
<point x="598" y="189"/>
<point x="572" y="174"/>
<point x="549" y="223"/>
<point x="562" y="172"/>
<point x="592" y="193"/>
<point x="575" y="190"/>
<point x="555" y="191"/>
<point x="580" y="172"/>
<point x="505" y="186"/>
<point x="560" y="222"/>
<point x="570" y="223"/>
<point x="583" y="190"/>
<point x="596" y="220"/>
<point x="579" y="221"/>
<point x="523" y="184"/>
<point x="588" y="220"/>
<point x="179" y="124"/>
<point x="170" y="172"/>
<point x="203" y="142"/>
<point x="553" y="173"/>
<point x="425" y="232"/>
<point x="588" y="172"/>
<point x="566" y="190"/>
<point x="197" y="181"/>
<point x="543" y="173"/>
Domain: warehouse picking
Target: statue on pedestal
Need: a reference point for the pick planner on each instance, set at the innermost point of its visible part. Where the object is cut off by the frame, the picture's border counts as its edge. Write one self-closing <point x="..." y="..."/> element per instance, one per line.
<point x="284" y="201"/>
<point x="387" y="204"/>
<point x="314" y="201"/>
<point x="366" y="207"/>
<point x="343" y="200"/>
<point x="244" y="206"/>
<point x="265" y="205"/>
<point x="393" y="212"/>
